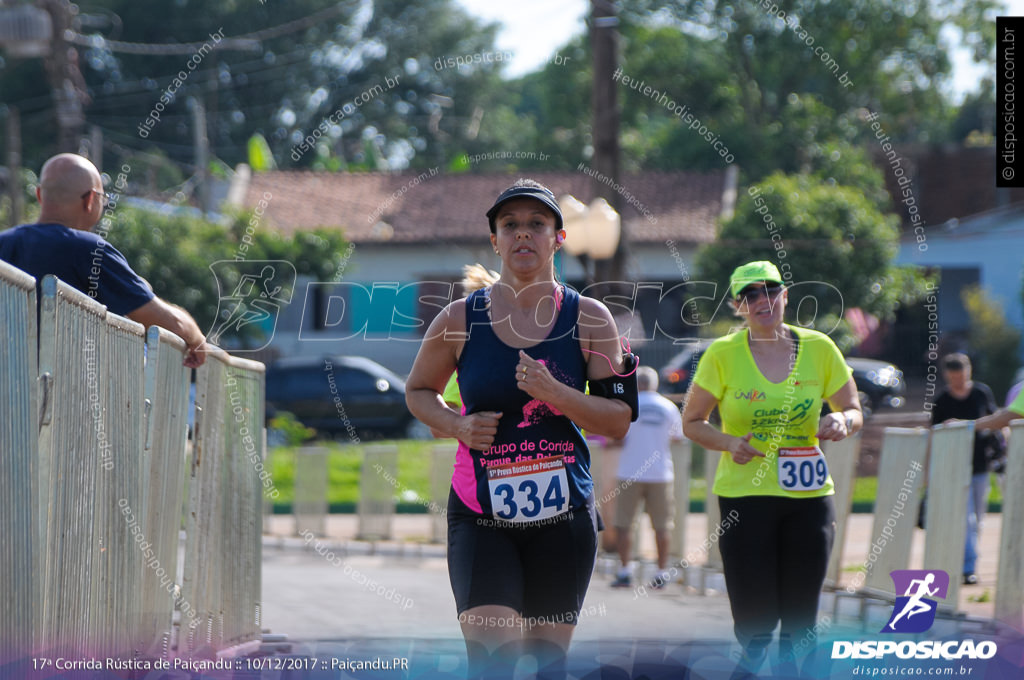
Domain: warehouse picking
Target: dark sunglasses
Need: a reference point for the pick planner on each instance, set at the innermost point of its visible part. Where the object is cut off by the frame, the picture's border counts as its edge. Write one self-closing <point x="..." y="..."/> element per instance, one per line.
<point x="752" y="293"/>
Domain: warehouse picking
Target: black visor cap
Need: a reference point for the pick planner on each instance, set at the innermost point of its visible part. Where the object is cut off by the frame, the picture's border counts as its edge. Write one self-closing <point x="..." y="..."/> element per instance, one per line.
<point x="542" y="195"/>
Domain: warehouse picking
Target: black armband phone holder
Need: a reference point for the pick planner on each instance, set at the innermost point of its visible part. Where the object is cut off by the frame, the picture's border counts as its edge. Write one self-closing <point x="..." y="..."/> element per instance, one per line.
<point x="622" y="387"/>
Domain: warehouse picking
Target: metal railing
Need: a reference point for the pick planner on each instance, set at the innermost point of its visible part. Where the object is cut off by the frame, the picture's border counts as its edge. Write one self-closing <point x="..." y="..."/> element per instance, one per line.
<point x="78" y="460"/>
<point x="95" y="449"/>
<point x="19" y="566"/>
<point x="221" y="584"/>
<point x="163" y="464"/>
<point x="1010" y="582"/>
<point x="908" y="457"/>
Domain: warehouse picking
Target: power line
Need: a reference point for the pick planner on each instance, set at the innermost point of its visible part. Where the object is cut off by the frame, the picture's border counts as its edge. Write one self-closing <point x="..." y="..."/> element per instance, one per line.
<point x="136" y="90"/>
<point x="245" y="67"/>
<point x="110" y="116"/>
<point x="128" y="151"/>
<point x="247" y="42"/>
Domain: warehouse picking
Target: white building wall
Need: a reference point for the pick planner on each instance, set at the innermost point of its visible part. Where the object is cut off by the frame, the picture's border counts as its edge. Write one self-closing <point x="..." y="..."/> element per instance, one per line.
<point x="997" y="253"/>
<point x="404" y="264"/>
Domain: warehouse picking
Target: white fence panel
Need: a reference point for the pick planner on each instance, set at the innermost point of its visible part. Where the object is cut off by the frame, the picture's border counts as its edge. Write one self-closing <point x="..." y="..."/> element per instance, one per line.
<point x="163" y="465"/>
<point x="248" y="481"/>
<point x="949" y="476"/>
<point x="310" y="504"/>
<point x="842" y="465"/>
<point x="713" y="512"/>
<point x="442" y="462"/>
<point x="19" y="551"/>
<point x="681" y="453"/>
<point x="900" y="474"/>
<point x="94" y="439"/>
<point x="73" y="449"/>
<point x="221" y="584"/>
<point x="119" y="536"/>
<point x="200" y="622"/>
<point x="376" y="505"/>
<point x="1010" y="583"/>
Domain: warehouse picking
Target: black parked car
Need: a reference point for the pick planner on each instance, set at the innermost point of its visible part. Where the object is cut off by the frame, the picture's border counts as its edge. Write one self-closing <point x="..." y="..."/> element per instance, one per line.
<point x="879" y="383"/>
<point x="676" y="375"/>
<point x="342" y="396"/>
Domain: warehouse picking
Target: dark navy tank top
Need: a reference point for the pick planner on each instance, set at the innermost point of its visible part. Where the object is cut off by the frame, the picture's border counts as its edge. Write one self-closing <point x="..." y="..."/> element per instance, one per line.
<point x="529" y="430"/>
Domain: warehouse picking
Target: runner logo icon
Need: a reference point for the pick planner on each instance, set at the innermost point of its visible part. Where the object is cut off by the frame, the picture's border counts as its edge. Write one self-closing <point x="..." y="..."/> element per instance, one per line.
<point x="252" y="295"/>
<point x="914" y="612"/>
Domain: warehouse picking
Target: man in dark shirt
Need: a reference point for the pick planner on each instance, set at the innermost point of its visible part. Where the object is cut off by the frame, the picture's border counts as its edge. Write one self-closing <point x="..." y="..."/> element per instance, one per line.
<point x="61" y="243"/>
<point x="964" y="399"/>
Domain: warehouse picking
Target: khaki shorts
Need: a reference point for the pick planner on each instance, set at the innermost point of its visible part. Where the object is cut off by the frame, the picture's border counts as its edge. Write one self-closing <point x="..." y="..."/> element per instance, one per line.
<point x="658" y="503"/>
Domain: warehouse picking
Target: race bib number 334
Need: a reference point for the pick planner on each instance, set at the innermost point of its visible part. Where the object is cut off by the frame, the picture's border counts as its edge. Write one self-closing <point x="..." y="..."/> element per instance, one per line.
<point x="802" y="468"/>
<point x="530" y="490"/>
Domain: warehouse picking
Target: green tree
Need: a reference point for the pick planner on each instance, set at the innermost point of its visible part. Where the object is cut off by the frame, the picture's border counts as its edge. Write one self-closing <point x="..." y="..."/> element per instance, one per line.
<point x="310" y="58"/>
<point x="756" y="82"/>
<point x="893" y="53"/>
<point x="975" y="121"/>
<point x="995" y="344"/>
<point x="174" y="253"/>
<point x="832" y="244"/>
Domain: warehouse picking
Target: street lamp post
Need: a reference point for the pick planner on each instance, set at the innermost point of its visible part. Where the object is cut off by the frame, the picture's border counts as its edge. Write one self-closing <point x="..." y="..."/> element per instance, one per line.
<point x="41" y="31"/>
<point x="592" y="232"/>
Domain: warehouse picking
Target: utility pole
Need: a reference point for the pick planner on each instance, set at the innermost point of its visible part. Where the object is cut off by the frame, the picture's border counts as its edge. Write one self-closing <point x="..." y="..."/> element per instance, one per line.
<point x="14" y="164"/>
<point x="202" y="153"/>
<point x="96" y="147"/>
<point x="65" y="78"/>
<point x="604" y="38"/>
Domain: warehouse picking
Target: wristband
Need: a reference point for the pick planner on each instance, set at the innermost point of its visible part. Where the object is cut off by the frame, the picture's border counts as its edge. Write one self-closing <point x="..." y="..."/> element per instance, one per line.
<point x="621" y="387"/>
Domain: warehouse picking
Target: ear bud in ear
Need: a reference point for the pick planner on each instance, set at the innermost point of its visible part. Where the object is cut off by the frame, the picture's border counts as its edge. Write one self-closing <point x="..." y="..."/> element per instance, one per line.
<point x="559" y="237"/>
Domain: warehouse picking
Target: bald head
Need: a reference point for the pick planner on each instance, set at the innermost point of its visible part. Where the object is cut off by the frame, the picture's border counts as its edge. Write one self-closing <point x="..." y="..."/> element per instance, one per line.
<point x="646" y="379"/>
<point x="70" y="191"/>
<point x="65" y="177"/>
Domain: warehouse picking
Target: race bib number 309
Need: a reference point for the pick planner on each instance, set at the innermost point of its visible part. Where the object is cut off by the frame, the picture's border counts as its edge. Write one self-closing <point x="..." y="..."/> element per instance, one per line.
<point x="802" y="468"/>
<point x="530" y="490"/>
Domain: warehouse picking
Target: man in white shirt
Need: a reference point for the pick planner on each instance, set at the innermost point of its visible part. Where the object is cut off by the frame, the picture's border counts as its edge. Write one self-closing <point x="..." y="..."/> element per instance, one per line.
<point x="645" y="473"/>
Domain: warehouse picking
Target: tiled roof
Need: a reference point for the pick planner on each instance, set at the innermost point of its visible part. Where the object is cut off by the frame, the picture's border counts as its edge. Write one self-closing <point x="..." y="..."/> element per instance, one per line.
<point x="448" y="208"/>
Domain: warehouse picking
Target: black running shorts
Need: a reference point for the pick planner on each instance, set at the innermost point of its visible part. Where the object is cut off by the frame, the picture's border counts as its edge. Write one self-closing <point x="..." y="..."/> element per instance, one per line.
<point x="540" y="569"/>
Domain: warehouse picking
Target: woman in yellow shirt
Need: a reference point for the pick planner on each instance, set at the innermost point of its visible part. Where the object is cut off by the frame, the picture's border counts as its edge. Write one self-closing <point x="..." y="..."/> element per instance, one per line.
<point x="768" y="381"/>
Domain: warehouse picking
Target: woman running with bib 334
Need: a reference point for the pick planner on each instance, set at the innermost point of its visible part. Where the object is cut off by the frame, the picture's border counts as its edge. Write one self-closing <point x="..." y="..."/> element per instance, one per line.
<point x="522" y="530"/>
<point x="768" y="381"/>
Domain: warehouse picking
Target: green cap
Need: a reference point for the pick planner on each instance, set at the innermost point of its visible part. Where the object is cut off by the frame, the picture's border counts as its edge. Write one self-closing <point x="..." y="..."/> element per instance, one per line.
<point x="753" y="272"/>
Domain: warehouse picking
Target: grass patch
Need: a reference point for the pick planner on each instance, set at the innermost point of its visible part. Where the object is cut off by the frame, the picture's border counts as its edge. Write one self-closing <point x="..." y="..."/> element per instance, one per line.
<point x="865" y="490"/>
<point x="984" y="597"/>
<point x="996" y="496"/>
<point x="343" y="472"/>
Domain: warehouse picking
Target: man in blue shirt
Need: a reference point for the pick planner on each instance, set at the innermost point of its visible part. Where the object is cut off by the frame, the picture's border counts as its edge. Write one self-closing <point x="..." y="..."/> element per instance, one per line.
<point x="61" y="243"/>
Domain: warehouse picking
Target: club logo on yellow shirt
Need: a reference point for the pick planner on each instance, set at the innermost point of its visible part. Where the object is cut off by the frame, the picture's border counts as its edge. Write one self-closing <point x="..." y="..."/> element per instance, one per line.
<point x="752" y="395"/>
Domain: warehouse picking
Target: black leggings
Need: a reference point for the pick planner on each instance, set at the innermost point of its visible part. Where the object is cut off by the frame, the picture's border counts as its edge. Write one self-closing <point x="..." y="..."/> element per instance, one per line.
<point x="774" y="557"/>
